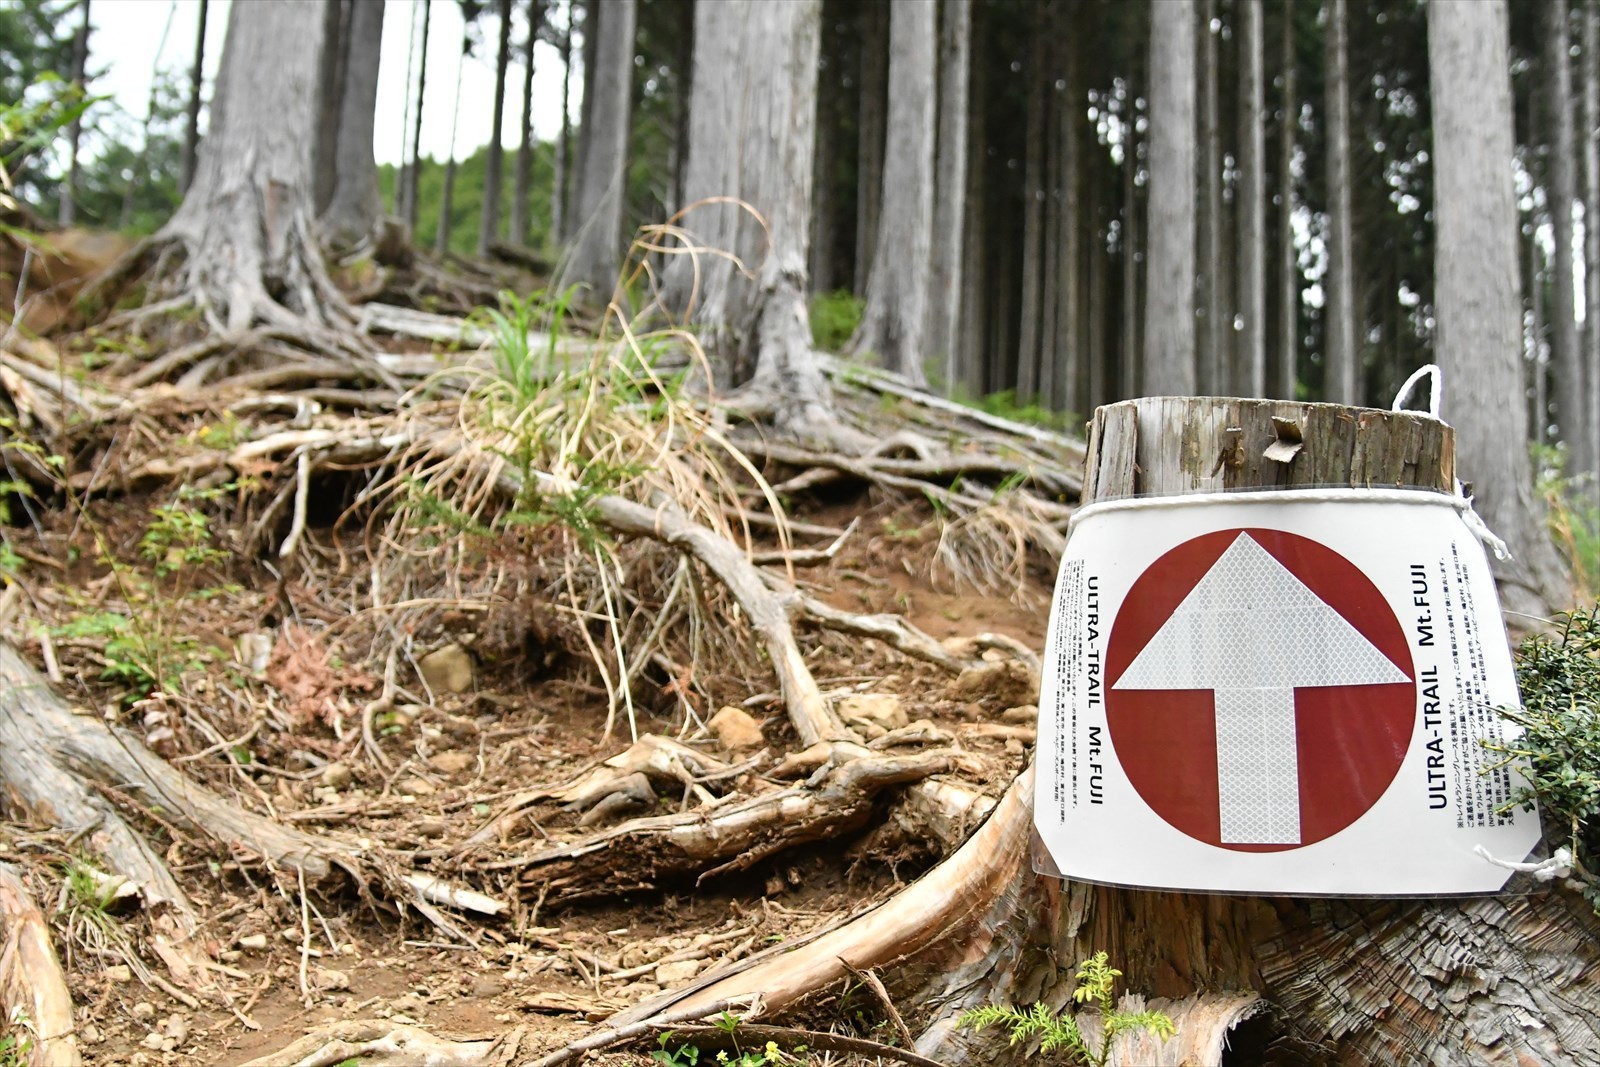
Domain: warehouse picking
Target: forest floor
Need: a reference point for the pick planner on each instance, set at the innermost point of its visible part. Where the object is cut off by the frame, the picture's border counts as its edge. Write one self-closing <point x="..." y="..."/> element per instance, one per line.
<point x="410" y="683"/>
<point x="521" y="722"/>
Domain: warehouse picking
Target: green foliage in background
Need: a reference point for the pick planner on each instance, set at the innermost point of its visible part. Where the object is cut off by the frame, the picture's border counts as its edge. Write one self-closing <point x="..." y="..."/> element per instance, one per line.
<point x="834" y="318"/>
<point x="466" y="198"/>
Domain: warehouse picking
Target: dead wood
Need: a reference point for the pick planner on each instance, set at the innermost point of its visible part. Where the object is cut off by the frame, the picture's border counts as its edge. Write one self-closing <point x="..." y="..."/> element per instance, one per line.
<point x="33" y="989"/>
<point x="715" y="839"/>
<point x="386" y="1044"/>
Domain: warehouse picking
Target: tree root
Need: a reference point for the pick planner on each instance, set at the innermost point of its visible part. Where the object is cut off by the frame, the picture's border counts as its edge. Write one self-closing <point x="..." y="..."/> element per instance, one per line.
<point x="387" y="1044"/>
<point x="728" y="836"/>
<point x="33" y="989"/>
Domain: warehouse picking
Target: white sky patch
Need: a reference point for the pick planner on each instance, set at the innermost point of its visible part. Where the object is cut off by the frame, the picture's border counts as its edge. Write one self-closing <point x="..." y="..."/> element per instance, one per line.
<point x="127" y="34"/>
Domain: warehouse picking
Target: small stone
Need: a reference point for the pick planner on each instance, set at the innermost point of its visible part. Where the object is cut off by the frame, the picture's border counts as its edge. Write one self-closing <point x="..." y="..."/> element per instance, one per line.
<point x="678" y="971"/>
<point x="253" y="942"/>
<point x="431" y="827"/>
<point x="90" y="1034"/>
<point x="417" y="787"/>
<point x="1025" y="715"/>
<point x="453" y="762"/>
<point x="883" y="710"/>
<point x="168" y="1045"/>
<point x="487" y="988"/>
<point x="448" y="670"/>
<point x="329" y="980"/>
<point x="144" y="1010"/>
<point x="1009" y="684"/>
<point x="152" y="1041"/>
<point x="177" y="1028"/>
<point x="337" y="776"/>
<point x="119" y="973"/>
<point x="231" y="955"/>
<point x="774" y="885"/>
<point x="736" y="728"/>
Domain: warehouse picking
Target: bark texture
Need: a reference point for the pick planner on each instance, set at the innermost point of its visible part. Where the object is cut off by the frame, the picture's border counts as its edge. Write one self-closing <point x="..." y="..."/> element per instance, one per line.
<point x="494" y="168"/>
<point x="1342" y="370"/>
<point x="596" y="254"/>
<point x="1564" y="354"/>
<point x="353" y="212"/>
<point x="950" y="176"/>
<point x="247" y="218"/>
<point x="1478" y="339"/>
<point x="749" y="190"/>
<point x="896" y="312"/>
<point x="1169" y="355"/>
<point x="1252" y="361"/>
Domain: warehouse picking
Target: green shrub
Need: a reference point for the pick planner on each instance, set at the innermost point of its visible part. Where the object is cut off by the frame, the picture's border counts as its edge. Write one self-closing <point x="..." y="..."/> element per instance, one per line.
<point x="834" y="318"/>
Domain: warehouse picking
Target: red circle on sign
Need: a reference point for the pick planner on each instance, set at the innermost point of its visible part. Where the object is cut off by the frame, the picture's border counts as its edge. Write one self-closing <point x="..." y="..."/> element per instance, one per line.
<point x="1350" y="740"/>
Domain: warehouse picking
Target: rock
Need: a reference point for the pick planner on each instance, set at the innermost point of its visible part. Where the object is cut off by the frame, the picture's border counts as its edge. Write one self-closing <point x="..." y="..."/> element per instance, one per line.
<point x="678" y="971"/>
<point x="177" y="1028"/>
<point x="337" y="775"/>
<point x="254" y="651"/>
<point x="152" y="1041"/>
<point x="231" y="955"/>
<point x="120" y="973"/>
<point x="253" y="942"/>
<point x="453" y="762"/>
<point x="774" y="885"/>
<point x="488" y="987"/>
<point x="430" y="827"/>
<point x="448" y="670"/>
<point x="90" y="1034"/>
<point x="1009" y="684"/>
<point x="329" y="980"/>
<point x="882" y="710"/>
<point x="736" y="728"/>
<point x="1025" y="715"/>
<point x="144" y="1010"/>
<point x="416" y="787"/>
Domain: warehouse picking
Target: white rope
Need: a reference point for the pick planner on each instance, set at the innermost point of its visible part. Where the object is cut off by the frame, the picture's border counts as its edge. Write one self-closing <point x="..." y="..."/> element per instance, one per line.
<point x="1557" y="866"/>
<point x="1436" y="388"/>
<point x="1461" y="504"/>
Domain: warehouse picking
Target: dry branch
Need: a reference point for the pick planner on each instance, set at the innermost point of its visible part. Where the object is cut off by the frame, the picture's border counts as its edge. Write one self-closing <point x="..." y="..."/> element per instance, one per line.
<point x="32" y="985"/>
<point x="387" y="1044"/>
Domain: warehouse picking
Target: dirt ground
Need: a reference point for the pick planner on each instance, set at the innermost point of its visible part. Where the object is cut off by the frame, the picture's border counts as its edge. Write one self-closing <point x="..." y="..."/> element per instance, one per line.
<point x="533" y="713"/>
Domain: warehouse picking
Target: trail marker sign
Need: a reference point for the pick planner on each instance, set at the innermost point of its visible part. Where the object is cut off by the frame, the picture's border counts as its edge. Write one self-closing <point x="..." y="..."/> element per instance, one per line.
<point x="1260" y="695"/>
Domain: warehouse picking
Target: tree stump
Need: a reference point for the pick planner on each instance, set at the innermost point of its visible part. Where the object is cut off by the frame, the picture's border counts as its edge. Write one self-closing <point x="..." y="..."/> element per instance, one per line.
<point x="1489" y="980"/>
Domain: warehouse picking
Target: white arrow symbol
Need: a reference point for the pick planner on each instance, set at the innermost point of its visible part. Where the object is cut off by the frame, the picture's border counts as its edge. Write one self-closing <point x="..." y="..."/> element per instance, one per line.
<point x="1252" y="632"/>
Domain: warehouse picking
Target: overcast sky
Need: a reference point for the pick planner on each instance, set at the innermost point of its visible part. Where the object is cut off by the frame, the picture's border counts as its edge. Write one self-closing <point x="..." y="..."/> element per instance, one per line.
<point x="128" y="33"/>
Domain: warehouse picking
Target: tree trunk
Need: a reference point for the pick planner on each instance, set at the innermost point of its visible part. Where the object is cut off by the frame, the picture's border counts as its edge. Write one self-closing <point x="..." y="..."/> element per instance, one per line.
<point x="330" y="90"/>
<point x="950" y="183"/>
<point x="1591" y="225"/>
<point x="1341" y="367"/>
<point x="1169" y="357"/>
<point x="413" y="171"/>
<point x="191" y="128"/>
<point x="1068" y="353"/>
<point x="494" y="167"/>
<point x="247" y="218"/>
<point x="1252" y="379"/>
<point x="1475" y="271"/>
<point x="1288" y="355"/>
<point x="1131" y="346"/>
<point x="67" y="207"/>
<point x="973" y="318"/>
<point x="353" y="212"/>
<point x="753" y="60"/>
<point x="896" y="312"/>
<point x="870" y="131"/>
<point x="1033" y="194"/>
<point x="441" y="237"/>
<point x="596" y="255"/>
<point x="824" y="167"/>
<point x="1564" y="355"/>
<point x="403" y="173"/>
<point x="521" y="226"/>
<point x="1208" y="346"/>
<point x="561" y="182"/>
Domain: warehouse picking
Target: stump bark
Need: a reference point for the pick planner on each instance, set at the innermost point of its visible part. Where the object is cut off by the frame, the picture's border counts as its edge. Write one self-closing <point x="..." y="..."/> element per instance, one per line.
<point x="1498" y="980"/>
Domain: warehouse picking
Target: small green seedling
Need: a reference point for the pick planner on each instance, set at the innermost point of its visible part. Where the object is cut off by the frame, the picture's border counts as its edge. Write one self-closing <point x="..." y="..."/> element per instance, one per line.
<point x="1061" y="1033"/>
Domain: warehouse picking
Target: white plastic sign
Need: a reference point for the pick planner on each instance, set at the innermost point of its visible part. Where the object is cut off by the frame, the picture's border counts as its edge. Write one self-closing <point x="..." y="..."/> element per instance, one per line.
<point x="1278" y="693"/>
